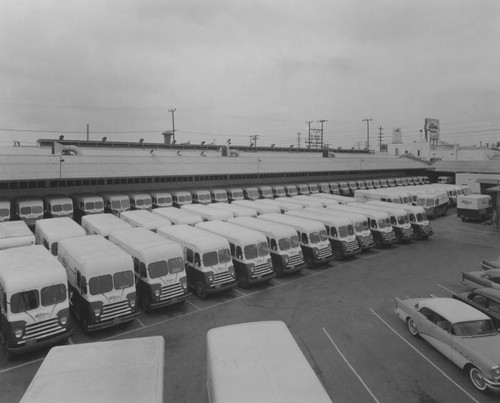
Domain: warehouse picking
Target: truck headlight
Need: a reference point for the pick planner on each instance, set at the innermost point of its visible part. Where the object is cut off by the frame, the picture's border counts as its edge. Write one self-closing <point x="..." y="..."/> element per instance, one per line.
<point x="251" y="266"/>
<point x="97" y="313"/>
<point x="231" y="270"/>
<point x="131" y="303"/>
<point x="157" y="293"/>
<point x="286" y="259"/>
<point x="18" y="333"/>
<point x="63" y="320"/>
<point x="211" y="277"/>
<point x="316" y="252"/>
<point x="183" y="283"/>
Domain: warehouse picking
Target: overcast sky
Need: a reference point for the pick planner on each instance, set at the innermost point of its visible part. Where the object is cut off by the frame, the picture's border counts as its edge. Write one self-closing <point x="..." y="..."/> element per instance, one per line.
<point x="237" y="68"/>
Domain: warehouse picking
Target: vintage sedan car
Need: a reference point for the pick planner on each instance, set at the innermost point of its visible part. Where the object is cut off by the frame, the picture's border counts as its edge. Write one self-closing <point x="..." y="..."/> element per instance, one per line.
<point x="482" y="278"/>
<point x="490" y="264"/>
<point x="487" y="300"/>
<point x="460" y="332"/>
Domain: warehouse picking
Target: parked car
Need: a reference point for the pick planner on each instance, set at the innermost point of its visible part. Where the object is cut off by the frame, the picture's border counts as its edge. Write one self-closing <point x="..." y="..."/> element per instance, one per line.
<point x="487" y="300"/>
<point x="490" y="264"/>
<point x="460" y="332"/>
<point x="482" y="278"/>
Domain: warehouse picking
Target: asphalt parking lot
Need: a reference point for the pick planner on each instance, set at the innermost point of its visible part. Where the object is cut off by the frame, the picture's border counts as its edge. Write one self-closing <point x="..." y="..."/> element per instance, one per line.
<point x="341" y="314"/>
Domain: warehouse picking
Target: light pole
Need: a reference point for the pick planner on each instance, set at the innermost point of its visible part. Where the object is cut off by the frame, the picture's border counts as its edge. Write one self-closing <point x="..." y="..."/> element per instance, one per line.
<point x="172" y="111"/>
<point x="367" y="132"/>
<point x="421" y="143"/>
<point x="258" y="167"/>
<point x="61" y="160"/>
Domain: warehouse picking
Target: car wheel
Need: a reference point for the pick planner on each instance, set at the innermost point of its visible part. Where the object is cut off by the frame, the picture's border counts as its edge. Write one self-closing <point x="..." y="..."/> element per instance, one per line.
<point x="412" y="327"/>
<point x="201" y="290"/>
<point x="477" y="378"/>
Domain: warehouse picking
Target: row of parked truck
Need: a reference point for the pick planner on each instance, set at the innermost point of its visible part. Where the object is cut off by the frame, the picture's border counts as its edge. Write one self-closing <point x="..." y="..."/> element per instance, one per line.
<point x="107" y="266"/>
<point x="30" y="209"/>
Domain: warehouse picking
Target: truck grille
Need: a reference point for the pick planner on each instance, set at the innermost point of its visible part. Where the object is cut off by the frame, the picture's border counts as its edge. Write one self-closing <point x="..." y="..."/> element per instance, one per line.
<point x="325" y="253"/>
<point x="41" y="330"/>
<point x="389" y="236"/>
<point x="262" y="269"/>
<point x="368" y="240"/>
<point x="426" y="229"/>
<point x="111" y="311"/>
<point x="407" y="233"/>
<point x="222" y="278"/>
<point x="171" y="291"/>
<point x="352" y="246"/>
<point x="295" y="260"/>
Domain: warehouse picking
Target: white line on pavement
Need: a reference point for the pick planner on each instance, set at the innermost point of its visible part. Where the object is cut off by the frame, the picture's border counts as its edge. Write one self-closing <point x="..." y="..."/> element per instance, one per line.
<point x="193" y="304"/>
<point x="351" y="367"/>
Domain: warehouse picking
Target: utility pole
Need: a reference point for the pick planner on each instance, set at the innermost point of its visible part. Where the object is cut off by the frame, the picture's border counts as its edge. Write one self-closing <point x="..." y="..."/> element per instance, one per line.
<point x="367" y="132"/>
<point x="309" y="132"/>
<point x="298" y="139"/>
<point x="322" y="121"/>
<point x="172" y="111"/>
<point x="380" y="137"/>
<point x="253" y="140"/>
<point x="87" y="132"/>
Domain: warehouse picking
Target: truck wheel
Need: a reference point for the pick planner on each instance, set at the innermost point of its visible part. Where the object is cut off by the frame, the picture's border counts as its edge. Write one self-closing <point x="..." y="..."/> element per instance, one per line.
<point x="145" y="303"/>
<point x="279" y="271"/>
<point x="243" y="280"/>
<point x="201" y="290"/>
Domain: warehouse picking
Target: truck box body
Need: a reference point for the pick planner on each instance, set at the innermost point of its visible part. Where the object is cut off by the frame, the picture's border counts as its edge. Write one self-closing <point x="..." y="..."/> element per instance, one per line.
<point x="474" y="207"/>
<point x="50" y="231"/>
<point x="129" y="370"/>
<point x="15" y="233"/>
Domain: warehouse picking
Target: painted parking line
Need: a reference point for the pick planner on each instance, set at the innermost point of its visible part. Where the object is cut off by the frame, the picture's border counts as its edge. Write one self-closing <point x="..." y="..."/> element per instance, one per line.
<point x="21" y="365"/>
<point x="239" y="292"/>
<point x="193" y="304"/>
<point x="423" y="356"/>
<point x="351" y="367"/>
<point x="446" y="289"/>
<point x="140" y="323"/>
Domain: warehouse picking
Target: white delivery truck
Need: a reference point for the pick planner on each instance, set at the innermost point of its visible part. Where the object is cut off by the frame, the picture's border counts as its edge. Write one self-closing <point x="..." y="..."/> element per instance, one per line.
<point x="4" y="210"/>
<point x="312" y="236"/>
<point x="177" y="216"/>
<point x="476" y="207"/>
<point x="249" y="250"/>
<point x="284" y="245"/>
<point x="50" y="231"/>
<point x="260" y="208"/>
<point x="34" y="307"/>
<point x="115" y="203"/>
<point x="160" y="198"/>
<point x="181" y="198"/>
<point x="101" y="281"/>
<point x="57" y="206"/>
<point x="15" y="233"/>
<point x="86" y="203"/>
<point x="235" y="210"/>
<point x="209" y="267"/>
<point x="28" y="209"/>
<point x="259" y="362"/>
<point x="340" y="231"/>
<point x="124" y="371"/>
<point x="281" y="203"/>
<point x="158" y="265"/>
<point x="103" y="224"/>
<point x="207" y="213"/>
<point x="140" y="201"/>
<point x="145" y="219"/>
<point x="218" y="195"/>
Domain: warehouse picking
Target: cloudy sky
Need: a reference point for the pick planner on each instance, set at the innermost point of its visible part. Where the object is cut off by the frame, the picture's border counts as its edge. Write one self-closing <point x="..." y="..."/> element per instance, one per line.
<point x="238" y="68"/>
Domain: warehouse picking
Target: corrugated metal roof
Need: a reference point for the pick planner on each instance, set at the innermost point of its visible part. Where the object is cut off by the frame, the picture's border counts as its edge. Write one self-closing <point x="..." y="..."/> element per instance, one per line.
<point x="490" y="166"/>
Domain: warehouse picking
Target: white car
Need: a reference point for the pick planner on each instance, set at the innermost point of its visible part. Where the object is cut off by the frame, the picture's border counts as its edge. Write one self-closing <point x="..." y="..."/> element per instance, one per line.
<point x="460" y="332"/>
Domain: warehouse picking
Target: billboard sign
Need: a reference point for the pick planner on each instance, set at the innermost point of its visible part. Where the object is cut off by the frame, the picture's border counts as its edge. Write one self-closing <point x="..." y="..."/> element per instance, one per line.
<point x="431" y="128"/>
